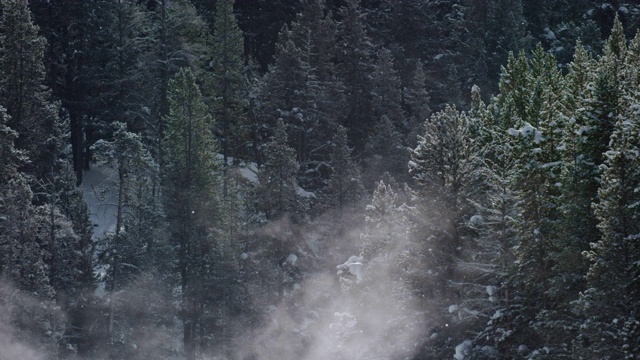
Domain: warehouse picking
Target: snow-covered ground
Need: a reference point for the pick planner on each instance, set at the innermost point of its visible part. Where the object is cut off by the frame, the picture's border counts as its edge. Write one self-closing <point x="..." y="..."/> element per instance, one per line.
<point x="250" y="171"/>
<point x="102" y="212"/>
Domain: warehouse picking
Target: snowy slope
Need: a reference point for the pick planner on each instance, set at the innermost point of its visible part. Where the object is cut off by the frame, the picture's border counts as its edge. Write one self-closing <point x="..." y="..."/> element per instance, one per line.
<point x="102" y="213"/>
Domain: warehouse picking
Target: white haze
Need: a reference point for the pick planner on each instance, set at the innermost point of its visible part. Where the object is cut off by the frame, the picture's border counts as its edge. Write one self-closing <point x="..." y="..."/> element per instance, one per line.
<point x="323" y="316"/>
<point x="332" y="316"/>
<point x="18" y="307"/>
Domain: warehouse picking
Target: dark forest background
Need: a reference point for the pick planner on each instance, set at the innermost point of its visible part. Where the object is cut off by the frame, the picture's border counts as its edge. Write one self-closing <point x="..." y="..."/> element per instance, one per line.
<point x="476" y="161"/>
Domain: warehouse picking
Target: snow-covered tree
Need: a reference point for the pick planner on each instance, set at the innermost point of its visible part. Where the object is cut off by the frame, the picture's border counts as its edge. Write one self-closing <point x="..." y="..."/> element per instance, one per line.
<point x="610" y="325"/>
<point x="579" y="175"/>
<point x="487" y="237"/>
<point x="23" y="259"/>
<point x="132" y="165"/>
<point x="278" y="188"/>
<point x="42" y="134"/>
<point x="387" y="226"/>
<point x="68" y="229"/>
<point x="302" y="89"/>
<point x="344" y="188"/>
<point x="22" y="89"/>
<point x="385" y="152"/>
<point x="440" y="165"/>
<point x="384" y="146"/>
<point x="354" y="66"/>
<point x="415" y="99"/>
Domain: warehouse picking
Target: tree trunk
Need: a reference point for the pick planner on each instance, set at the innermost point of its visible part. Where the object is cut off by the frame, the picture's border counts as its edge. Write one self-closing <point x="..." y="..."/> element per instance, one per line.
<point x="115" y="260"/>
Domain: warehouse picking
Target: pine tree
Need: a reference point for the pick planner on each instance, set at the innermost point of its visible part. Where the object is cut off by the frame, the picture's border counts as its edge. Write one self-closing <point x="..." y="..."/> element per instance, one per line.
<point x="389" y="247"/>
<point x="69" y="231"/>
<point x="281" y="89"/>
<point x="344" y="188"/>
<point x="386" y="91"/>
<point x="386" y="152"/>
<point x="517" y="179"/>
<point x="71" y="30"/>
<point x="440" y="163"/>
<point x="385" y="143"/>
<point x="189" y="182"/>
<point x="228" y="70"/>
<point x="537" y="163"/>
<point x="607" y="321"/>
<point x="278" y="185"/>
<point x="354" y="65"/>
<point x="302" y="89"/>
<point x="386" y="227"/>
<point x="431" y="32"/>
<point x="323" y="99"/>
<point x="23" y="259"/>
<point x="180" y="39"/>
<point x="222" y="283"/>
<point x="441" y="167"/>
<point x="22" y="89"/>
<point x="131" y="163"/>
<point x="505" y="31"/>
<point x="602" y="107"/>
<point x="415" y="100"/>
<point x="609" y="306"/>
<point x="42" y="134"/>
<point x="578" y="178"/>
<point x="114" y="73"/>
<point x="488" y="236"/>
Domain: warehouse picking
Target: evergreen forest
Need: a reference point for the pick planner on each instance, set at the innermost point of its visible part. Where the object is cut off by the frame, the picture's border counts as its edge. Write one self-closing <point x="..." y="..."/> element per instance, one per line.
<point x="319" y="179"/>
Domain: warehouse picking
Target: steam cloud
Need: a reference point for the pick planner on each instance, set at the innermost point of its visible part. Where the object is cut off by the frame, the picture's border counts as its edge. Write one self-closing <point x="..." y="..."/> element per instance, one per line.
<point x="332" y="316"/>
<point x="15" y="345"/>
<point x="323" y="315"/>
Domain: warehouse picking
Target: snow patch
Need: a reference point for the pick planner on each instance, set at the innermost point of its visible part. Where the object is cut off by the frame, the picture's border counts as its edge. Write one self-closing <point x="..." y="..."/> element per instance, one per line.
<point x="476" y="220"/>
<point x="101" y="214"/>
<point x="548" y="34"/>
<point x="250" y="173"/>
<point x="551" y="164"/>
<point x="463" y="349"/>
<point x="292" y="259"/>
<point x="527" y="130"/>
<point x="354" y="266"/>
<point x="497" y="315"/>
<point x="314" y="245"/>
<point x="304" y="193"/>
<point x="491" y="351"/>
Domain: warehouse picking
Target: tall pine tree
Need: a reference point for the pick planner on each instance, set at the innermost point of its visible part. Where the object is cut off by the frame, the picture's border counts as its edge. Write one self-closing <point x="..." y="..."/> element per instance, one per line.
<point x="227" y="67"/>
<point x="189" y="182"/>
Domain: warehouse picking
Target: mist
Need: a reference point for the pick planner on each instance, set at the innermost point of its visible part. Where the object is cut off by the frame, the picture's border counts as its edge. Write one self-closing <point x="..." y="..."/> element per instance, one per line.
<point x="355" y="298"/>
<point x="342" y="304"/>
<point x="21" y="317"/>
